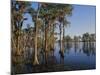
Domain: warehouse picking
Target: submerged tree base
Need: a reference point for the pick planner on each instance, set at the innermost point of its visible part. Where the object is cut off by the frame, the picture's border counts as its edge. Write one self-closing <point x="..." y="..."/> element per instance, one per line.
<point x="61" y="53"/>
<point x="35" y="61"/>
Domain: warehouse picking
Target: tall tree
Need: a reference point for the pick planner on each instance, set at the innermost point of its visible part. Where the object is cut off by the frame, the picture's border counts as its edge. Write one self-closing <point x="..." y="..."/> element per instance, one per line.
<point x="64" y="11"/>
<point x="49" y="13"/>
<point x="18" y="9"/>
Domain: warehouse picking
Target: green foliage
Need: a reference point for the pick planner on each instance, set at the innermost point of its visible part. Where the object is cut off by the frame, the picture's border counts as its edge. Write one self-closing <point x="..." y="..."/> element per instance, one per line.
<point x="88" y="37"/>
<point x="44" y="18"/>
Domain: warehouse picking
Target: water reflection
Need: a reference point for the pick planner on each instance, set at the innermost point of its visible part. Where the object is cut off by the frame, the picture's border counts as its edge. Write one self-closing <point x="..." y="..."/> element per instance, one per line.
<point x="77" y="55"/>
<point x="68" y="46"/>
<point x="76" y="46"/>
<point x="89" y="48"/>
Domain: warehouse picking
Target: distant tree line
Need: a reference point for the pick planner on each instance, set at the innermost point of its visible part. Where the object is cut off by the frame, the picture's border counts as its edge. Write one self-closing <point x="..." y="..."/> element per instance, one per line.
<point x="86" y="37"/>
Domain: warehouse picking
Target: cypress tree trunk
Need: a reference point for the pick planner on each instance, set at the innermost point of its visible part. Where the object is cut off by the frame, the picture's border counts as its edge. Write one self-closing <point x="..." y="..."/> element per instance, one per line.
<point x="60" y="38"/>
<point x="61" y="44"/>
<point x="63" y="37"/>
<point x="35" y="40"/>
<point x="36" y="30"/>
<point x="45" y="44"/>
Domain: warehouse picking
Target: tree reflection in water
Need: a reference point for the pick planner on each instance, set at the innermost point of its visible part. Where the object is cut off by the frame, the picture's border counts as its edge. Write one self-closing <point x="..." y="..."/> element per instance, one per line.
<point x="50" y="63"/>
<point x="76" y="46"/>
<point x="68" y="47"/>
<point x="89" y="48"/>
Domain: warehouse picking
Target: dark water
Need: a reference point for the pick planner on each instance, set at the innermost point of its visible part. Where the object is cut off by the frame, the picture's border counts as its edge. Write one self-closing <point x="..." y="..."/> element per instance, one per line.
<point x="77" y="56"/>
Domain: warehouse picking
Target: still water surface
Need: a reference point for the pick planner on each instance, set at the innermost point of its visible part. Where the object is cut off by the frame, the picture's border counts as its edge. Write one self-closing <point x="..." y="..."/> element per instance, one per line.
<point x="77" y="56"/>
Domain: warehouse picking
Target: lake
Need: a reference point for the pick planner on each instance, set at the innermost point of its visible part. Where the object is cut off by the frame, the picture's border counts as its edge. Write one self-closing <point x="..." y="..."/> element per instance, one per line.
<point x="77" y="56"/>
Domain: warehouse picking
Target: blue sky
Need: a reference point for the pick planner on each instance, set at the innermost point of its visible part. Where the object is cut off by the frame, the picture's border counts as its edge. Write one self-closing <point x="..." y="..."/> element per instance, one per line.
<point x="82" y="20"/>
